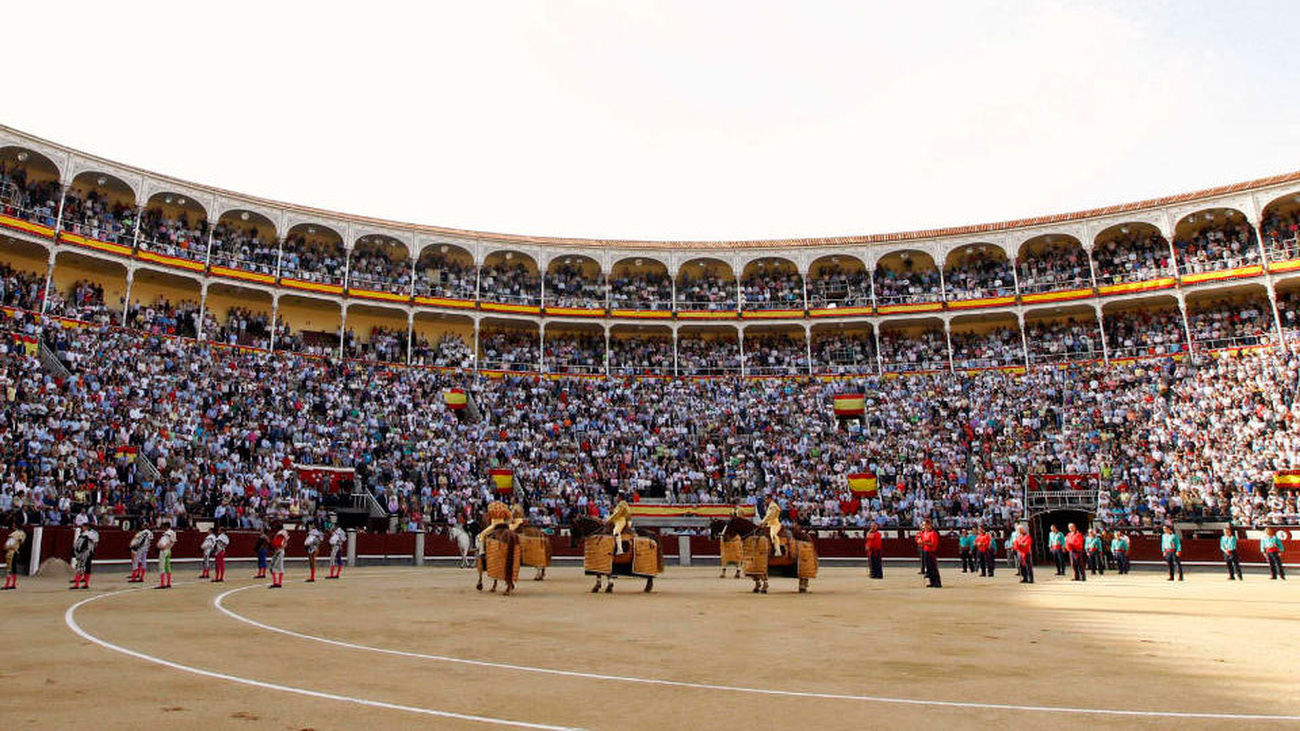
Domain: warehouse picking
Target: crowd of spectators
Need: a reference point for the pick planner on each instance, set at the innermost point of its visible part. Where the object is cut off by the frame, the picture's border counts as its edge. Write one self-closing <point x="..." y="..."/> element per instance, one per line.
<point x="449" y="351"/>
<point x="1224" y="246"/>
<point x="242" y="247"/>
<point x="706" y="289"/>
<point x="832" y="285"/>
<point x="902" y="352"/>
<point x="574" y="352"/>
<point x="21" y="289"/>
<point x="1195" y="438"/>
<point x="1062" y="341"/>
<point x="643" y="290"/>
<point x="567" y="285"/>
<point x="441" y="276"/>
<point x="641" y="356"/>
<point x="908" y="284"/>
<point x="1281" y="231"/>
<point x="998" y="347"/>
<point x="84" y="300"/>
<point x="241" y="327"/>
<point x="510" y="283"/>
<point x="775" y="354"/>
<point x="93" y="215"/>
<point x="178" y="237"/>
<point x="1056" y="265"/>
<point x="312" y="260"/>
<point x="845" y="352"/>
<point x="1143" y="333"/>
<point x="508" y="350"/>
<point x="1132" y="257"/>
<point x="29" y="200"/>
<point x="704" y="356"/>
<point x="979" y="272"/>
<point x="375" y="265"/>
<point x="773" y="287"/>
<point x="1231" y="324"/>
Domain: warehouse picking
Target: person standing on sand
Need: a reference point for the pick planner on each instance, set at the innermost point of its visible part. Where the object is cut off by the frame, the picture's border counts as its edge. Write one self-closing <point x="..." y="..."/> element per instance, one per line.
<point x="1171" y="547"/>
<point x="1228" y="545"/>
<point x="875" y="552"/>
<point x="1024" y="547"/>
<point x="928" y="541"/>
<point x="1074" y="544"/>
<point x="1056" y="544"/>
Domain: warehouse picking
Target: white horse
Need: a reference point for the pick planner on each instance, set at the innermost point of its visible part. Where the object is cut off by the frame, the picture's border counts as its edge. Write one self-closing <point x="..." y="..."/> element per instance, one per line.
<point x="464" y="544"/>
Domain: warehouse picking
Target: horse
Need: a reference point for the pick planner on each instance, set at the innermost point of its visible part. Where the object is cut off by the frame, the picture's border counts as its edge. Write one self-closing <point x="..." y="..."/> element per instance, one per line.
<point x="499" y="557"/>
<point x="601" y="560"/>
<point x="798" y="559"/>
<point x="464" y="543"/>
<point x="536" y="546"/>
<point x="729" y="542"/>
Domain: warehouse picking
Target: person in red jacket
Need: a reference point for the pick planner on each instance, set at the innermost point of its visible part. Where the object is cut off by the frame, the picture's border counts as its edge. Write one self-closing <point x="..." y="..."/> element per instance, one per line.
<point x="1074" y="545"/>
<point x="1024" y="546"/>
<point x="876" y="552"/>
<point x="928" y="541"/>
<point x="984" y="552"/>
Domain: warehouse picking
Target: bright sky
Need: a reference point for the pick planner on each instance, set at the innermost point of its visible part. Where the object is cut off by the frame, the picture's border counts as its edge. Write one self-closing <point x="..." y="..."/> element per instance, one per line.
<point x="670" y="120"/>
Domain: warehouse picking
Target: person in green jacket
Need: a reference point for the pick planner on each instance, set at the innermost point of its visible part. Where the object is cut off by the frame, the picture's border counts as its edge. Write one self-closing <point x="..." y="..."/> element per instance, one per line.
<point x="1056" y="544"/>
<point x="1228" y="545"/>
<point x="966" y="547"/>
<point x="1119" y="547"/>
<point x="1271" y="546"/>
<point x="1171" y="547"/>
<point x="1096" y="560"/>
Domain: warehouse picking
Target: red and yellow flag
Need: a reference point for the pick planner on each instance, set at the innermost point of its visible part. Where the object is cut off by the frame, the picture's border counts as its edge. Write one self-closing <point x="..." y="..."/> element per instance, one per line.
<point x="505" y="479"/>
<point x="455" y="398"/>
<point x="1287" y="479"/>
<point x="850" y="404"/>
<point x="862" y="483"/>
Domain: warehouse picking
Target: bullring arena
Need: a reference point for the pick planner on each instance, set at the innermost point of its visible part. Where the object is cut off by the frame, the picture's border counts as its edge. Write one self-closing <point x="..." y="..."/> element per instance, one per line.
<point x="253" y="455"/>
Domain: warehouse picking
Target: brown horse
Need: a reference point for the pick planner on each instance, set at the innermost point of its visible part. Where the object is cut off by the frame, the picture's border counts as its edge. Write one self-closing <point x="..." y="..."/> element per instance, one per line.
<point x="729" y="544"/>
<point x="536" y="545"/>
<point x="798" y="559"/>
<point x="500" y="554"/>
<point x="602" y="561"/>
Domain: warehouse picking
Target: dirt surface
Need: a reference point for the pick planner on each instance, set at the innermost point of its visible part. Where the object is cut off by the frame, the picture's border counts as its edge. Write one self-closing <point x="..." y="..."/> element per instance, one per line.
<point x="1120" y="642"/>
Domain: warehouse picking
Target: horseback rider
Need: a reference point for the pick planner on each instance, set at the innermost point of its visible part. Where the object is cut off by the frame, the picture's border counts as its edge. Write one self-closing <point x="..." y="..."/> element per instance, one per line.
<point x="498" y="514"/>
<point x="517" y="517"/>
<point x="620" y="518"/>
<point x="772" y="521"/>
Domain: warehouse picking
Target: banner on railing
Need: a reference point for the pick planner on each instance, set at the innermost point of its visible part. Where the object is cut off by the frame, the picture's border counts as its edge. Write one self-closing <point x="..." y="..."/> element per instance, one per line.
<point x="326" y="479"/>
<point x="1059" y="481"/>
<point x="700" y="510"/>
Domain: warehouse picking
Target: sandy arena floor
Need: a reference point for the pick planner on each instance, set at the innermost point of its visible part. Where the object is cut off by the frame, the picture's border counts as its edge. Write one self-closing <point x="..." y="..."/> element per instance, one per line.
<point x="851" y="654"/>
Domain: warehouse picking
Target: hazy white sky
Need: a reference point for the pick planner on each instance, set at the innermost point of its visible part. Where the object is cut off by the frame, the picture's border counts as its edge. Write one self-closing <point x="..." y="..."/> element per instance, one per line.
<point x="670" y="120"/>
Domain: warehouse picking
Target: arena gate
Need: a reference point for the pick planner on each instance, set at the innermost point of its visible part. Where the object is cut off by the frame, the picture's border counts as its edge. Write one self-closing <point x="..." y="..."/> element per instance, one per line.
<point x="1059" y="499"/>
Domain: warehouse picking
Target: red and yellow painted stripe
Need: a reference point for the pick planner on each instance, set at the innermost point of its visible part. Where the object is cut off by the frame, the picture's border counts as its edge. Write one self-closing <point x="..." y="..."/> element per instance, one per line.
<point x="321" y="287"/>
<point x="841" y="311"/>
<point x="708" y="315"/>
<point x="1199" y="277"/>
<point x="574" y="311"/>
<point x="1284" y="266"/>
<point x="507" y="307"/>
<point x="982" y="302"/>
<point x="771" y="314"/>
<point x="703" y="510"/>
<point x="909" y="307"/>
<point x="90" y="243"/>
<point x="19" y="224"/>
<point x="1132" y="287"/>
<point x="643" y="314"/>
<point x="221" y="271"/>
<point x="377" y="294"/>
<point x="171" y="261"/>
<point x="444" y="302"/>
<point x="1063" y="295"/>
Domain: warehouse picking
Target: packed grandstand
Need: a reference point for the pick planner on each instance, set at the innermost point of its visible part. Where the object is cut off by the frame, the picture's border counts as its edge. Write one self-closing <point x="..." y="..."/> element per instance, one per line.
<point x="157" y="363"/>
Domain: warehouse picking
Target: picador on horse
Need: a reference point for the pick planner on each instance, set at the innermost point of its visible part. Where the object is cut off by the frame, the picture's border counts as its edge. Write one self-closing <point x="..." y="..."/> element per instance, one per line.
<point x="614" y="548"/>
<point x="769" y="548"/>
<point x="500" y="553"/>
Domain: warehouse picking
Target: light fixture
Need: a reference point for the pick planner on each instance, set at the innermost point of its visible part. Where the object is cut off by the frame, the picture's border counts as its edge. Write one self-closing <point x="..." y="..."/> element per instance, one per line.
<point x="311" y="229"/>
<point x="168" y="200"/>
<point x="22" y="156"/>
<point x="637" y="262"/>
<point x="180" y="201"/>
<point x="101" y="180"/>
<point x="510" y="255"/>
<point x="1209" y="216"/>
<point x="1123" y="229"/>
<point x="243" y="216"/>
<point x="444" y="249"/>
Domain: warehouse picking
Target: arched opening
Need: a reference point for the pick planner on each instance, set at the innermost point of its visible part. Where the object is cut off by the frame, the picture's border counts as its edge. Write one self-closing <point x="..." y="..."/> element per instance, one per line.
<point x="376" y="334"/>
<point x="508" y="345"/>
<point x="1280" y="227"/>
<point x="708" y="351"/>
<point x="911" y="346"/>
<point x="445" y="271"/>
<point x="640" y="283"/>
<point x="308" y="325"/>
<point x="1145" y="328"/>
<point x="1063" y="335"/>
<point x="510" y="278"/>
<point x="844" y="349"/>
<point x="1213" y="240"/>
<point x="907" y="277"/>
<point x="772" y="283"/>
<point x="101" y="207"/>
<point x="238" y="316"/>
<point x="838" y="280"/>
<point x="574" y="282"/>
<point x="379" y="264"/>
<point x="706" y="285"/>
<point x="164" y="304"/>
<point x="1288" y="307"/>
<point x="23" y="266"/>
<point x="29" y="187"/>
<point x="775" y="350"/>
<point x="313" y="255"/>
<point x="978" y="271"/>
<point x="1053" y="263"/>
<point x="987" y="341"/>
<point x="1235" y="317"/>
<point x="641" y="350"/>
<point x="86" y="288"/>
<point x="444" y="341"/>
<point x="174" y="226"/>
<point x="245" y="241"/>
<point x="1131" y="252"/>
<point x="574" y="348"/>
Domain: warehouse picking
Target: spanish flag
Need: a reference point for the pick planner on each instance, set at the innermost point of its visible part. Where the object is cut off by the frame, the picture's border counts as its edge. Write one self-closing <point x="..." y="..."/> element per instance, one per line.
<point x="1287" y="479"/>
<point x="29" y="343"/>
<point x="849" y="404"/>
<point x="505" y="480"/>
<point x="862" y="483"/>
<point x="128" y="451"/>
<point x="454" y="398"/>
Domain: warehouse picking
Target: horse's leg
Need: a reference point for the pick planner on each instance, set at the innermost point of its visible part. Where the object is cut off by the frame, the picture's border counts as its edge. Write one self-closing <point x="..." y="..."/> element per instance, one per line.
<point x="737" y="572"/>
<point x="723" y="575"/>
<point x="510" y="588"/>
<point x="757" y="584"/>
<point x="596" y="588"/>
<point x="803" y="586"/>
<point x="479" y="586"/>
<point x="494" y="586"/>
<point x="764" y="591"/>
<point x="609" y="584"/>
<point x="649" y="584"/>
